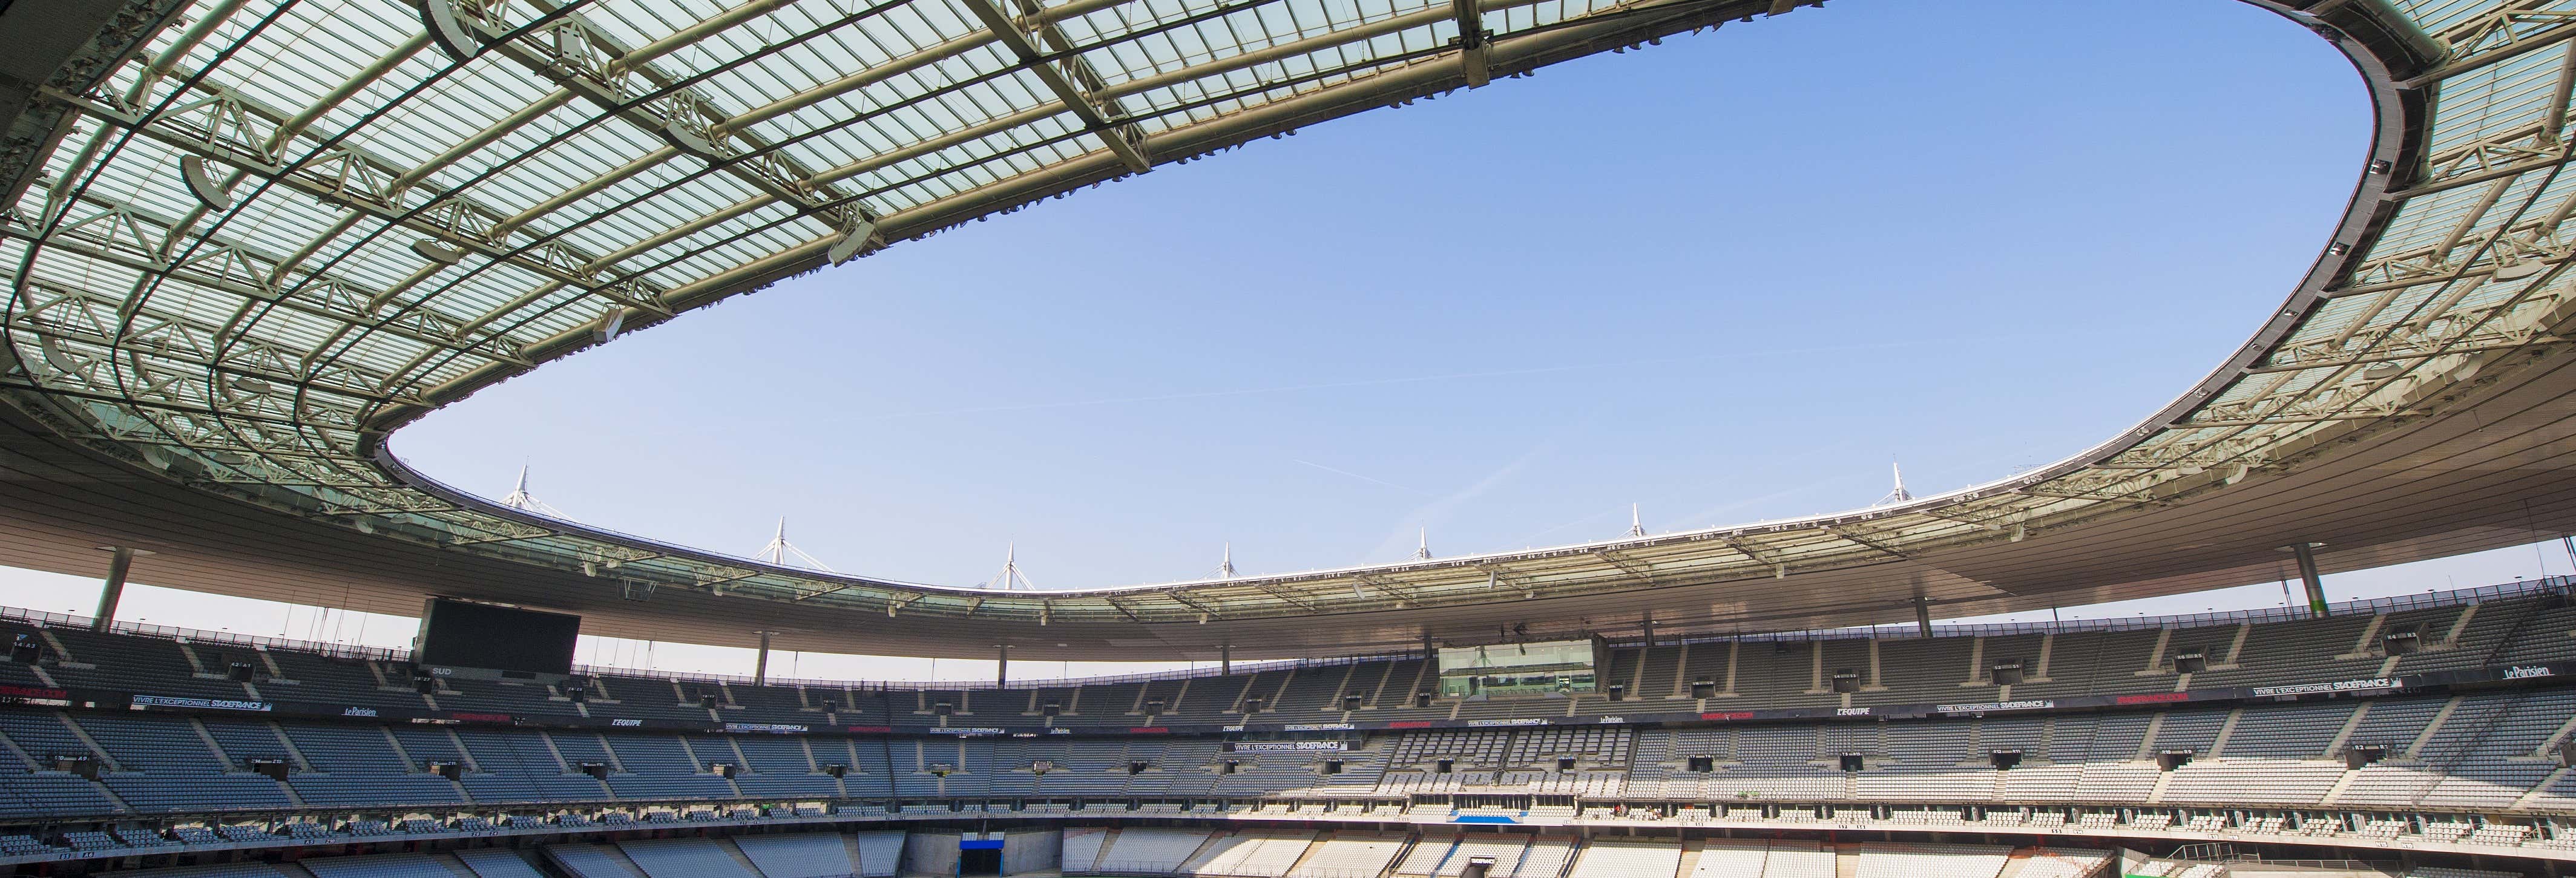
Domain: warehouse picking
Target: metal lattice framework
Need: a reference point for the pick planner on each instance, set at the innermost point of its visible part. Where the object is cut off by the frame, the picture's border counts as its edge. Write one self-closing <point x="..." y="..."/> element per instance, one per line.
<point x="243" y="253"/>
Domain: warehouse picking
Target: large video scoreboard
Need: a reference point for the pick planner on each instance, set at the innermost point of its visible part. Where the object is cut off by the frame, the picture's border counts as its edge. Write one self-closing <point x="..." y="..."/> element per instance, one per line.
<point x="467" y="634"/>
<point x="1543" y="667"/>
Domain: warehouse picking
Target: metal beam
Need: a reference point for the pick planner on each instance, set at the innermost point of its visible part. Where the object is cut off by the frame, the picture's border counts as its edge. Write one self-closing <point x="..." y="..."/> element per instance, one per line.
<point x="1122" y="138"/>
<point x="1472" y="41"/>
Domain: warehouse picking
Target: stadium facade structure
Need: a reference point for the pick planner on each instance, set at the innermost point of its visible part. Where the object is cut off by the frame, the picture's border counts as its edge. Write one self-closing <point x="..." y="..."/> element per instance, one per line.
<point x="2429" y="732"/>
<point x="247" y="241"/>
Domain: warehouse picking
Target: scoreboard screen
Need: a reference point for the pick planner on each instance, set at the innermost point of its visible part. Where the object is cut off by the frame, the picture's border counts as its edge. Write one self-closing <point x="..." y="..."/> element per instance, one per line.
<point x="1543" y="667"/>
<point x="465" y="634"/>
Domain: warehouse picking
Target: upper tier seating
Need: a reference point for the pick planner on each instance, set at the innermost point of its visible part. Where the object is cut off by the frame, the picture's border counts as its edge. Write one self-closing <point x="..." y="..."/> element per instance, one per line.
<point x="2484" y="750"/>
<point x="1748" y="674"/>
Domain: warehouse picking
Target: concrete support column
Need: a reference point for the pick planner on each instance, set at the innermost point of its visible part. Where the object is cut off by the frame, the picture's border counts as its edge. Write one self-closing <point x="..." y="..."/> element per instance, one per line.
<point x="760" y="668"/>
<point x="1225" y="659"/>
<point x="1650" y="629"/>
<point x="121" y="561"/>
<point x="1002" y="668"/>
<point x="2306" y="553"/>
<point x="1923" y="616"/>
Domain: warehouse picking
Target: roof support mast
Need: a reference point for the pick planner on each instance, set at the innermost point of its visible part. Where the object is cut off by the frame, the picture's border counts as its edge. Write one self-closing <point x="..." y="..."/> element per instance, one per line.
<point x="785" y="554"/>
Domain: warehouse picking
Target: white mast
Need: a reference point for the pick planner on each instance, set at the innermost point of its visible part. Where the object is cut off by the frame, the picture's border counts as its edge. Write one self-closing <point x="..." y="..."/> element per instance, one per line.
<point x="521" y="500"/>
<point x="1900" y="495"/>
<point x="1011" y="577"/>
<point x="785" y="554"/>
<point x="1225" y="568"/>
<point x="1422" y="550"/>
<point x="1636" y="526"/>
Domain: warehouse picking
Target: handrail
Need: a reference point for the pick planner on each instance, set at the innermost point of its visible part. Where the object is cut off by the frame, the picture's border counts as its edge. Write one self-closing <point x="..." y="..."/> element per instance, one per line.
<point x="2398" y="603"/>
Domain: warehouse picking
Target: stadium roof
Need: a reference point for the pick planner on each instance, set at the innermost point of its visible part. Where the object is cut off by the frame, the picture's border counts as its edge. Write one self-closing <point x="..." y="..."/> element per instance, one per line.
<point x="247" y="239"/>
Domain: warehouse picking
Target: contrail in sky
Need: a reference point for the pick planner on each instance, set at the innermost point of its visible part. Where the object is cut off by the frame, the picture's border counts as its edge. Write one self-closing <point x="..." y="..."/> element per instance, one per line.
<point x="1418" y="379"/>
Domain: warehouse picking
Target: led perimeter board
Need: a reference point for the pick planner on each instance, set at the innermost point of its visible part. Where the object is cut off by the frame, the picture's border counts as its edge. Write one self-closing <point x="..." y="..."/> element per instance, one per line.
<point x="464" y="634"/>
<point x="1543" y="667"/>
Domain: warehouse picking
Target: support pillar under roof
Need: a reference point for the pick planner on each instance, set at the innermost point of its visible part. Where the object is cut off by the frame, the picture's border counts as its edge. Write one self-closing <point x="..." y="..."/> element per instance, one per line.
<point x="1002" y="668"/>
<point x="760" y="667"/>
<point x="2307" y="556"/>
<point x="113" y="591"/>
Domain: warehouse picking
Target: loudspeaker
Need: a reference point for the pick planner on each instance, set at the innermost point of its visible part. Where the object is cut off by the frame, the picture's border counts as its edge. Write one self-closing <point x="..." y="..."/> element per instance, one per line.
<point x="78" y="765"/>
<point x="2007" y="672"/>
<point x="2191" y="661"/>
<point x="2404" y="641"/>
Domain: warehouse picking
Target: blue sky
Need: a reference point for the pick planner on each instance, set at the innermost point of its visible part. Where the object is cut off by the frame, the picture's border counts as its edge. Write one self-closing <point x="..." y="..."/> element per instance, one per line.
<point x="1728" y="278"/>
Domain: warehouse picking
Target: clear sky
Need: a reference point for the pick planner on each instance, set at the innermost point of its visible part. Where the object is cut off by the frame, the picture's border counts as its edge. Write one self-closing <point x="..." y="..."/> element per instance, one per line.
<point x="1728" y="278"/>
